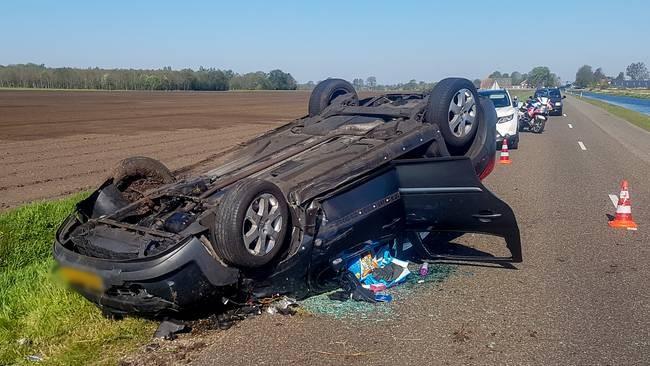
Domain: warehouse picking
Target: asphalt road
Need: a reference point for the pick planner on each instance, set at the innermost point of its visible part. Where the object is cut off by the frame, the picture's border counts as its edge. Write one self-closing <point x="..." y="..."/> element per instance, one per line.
<point x="581" y="297"/>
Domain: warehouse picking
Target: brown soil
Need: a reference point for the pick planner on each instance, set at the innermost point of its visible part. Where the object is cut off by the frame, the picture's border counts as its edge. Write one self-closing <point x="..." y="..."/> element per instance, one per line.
<point x="54" y="143"/>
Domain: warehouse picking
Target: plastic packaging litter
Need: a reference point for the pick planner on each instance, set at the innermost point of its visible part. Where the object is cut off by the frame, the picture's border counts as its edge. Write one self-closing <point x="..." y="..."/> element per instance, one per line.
<point x="424" y="270"/>
<point x="383" y="298"/>
<point x="377" y="266"/>
<point x="284" y="305"/>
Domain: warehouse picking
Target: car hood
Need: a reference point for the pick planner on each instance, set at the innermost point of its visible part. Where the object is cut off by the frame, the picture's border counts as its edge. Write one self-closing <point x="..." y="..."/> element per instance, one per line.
<point x="505" y="111"/>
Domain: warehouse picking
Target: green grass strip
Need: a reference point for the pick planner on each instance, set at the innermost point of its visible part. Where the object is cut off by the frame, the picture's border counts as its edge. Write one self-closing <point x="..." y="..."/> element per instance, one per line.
<point x="38" y="314"/>
<point x="635" y="118"/>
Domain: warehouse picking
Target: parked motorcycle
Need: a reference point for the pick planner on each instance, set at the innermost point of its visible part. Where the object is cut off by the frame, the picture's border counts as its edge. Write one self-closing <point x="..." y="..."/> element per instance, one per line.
<point x="533" y="115"/>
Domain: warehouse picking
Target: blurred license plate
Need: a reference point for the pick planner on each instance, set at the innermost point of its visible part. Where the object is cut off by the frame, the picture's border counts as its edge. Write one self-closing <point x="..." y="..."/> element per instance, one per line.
<point x="83" y="279"/>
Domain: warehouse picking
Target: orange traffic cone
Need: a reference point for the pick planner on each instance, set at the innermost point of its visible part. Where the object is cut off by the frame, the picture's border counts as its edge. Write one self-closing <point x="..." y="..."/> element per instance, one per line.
<point x="505" y="155"/>
<point x="623" y="219"/>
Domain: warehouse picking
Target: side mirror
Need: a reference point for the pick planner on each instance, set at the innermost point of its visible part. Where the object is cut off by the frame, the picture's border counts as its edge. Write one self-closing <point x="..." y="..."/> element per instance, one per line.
<point x="564" y="97"/>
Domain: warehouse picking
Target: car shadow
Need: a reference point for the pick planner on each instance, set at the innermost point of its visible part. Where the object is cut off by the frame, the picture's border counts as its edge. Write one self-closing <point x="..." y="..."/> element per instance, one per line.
<point x="443" y="245"/>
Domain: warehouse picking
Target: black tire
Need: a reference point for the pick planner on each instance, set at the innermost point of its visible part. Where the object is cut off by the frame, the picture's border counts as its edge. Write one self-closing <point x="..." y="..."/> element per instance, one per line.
<point x="227" y="233"/>
<point x="140" y="167"/>
<point x="438" y="111"/>
<point x="541" y="128"/>
<point x="328" y="90"/>
<point x="515" y="142"/>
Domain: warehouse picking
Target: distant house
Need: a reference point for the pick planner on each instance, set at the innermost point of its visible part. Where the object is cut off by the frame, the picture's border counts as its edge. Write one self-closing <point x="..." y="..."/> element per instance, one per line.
<point x="496" y="83"/>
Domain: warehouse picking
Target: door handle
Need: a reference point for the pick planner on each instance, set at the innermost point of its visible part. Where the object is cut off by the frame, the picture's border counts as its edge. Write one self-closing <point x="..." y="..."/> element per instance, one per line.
<point x="486" y="216"/>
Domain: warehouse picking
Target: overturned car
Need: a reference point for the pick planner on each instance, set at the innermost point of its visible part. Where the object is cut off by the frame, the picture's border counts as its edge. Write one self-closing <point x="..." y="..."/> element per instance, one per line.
<point x="282" y="214"/>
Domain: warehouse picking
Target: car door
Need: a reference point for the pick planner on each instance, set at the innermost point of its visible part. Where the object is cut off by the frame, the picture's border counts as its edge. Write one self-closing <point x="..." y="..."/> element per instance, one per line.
<point x="445" y="195"/>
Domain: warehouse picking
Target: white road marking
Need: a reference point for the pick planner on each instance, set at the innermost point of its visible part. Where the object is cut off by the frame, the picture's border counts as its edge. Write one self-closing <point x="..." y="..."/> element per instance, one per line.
<point x="614" y="199"/>
<point x="570" y="125"/>
<point x="564" y="114"/>
<point x="582" y="146"/>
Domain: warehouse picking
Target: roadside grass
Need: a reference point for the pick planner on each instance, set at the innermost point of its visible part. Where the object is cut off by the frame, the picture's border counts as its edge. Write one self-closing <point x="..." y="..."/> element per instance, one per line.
<point x="629" y="115"/>
<point x="634" y="93"/>
<point x="38" y="314"/>
<point x="521" y="94"/>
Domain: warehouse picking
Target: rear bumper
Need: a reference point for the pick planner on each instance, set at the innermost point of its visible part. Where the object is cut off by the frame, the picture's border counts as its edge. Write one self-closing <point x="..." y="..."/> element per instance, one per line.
<point x="166" y="283"/>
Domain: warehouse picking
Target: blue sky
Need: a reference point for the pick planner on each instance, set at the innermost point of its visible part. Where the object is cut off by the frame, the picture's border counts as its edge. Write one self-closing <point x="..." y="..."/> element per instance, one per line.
<point x="392" y="40"/>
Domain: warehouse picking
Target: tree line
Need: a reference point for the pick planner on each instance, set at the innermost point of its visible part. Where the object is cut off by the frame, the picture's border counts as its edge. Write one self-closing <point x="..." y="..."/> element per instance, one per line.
<point x="370" y="84"/>
<point x="587" y="77"/>
<point x="539" y="76"/>
<point x="39" y="76"/>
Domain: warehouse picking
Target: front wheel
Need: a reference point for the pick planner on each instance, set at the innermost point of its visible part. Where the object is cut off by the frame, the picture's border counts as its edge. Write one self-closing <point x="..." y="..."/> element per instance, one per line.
<point x="250" y="224"/>
<point x="539" y="126"/>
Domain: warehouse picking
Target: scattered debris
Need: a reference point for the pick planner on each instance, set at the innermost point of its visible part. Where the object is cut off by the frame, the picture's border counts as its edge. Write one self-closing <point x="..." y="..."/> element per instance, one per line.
<point x="24" y="342"/>
<point x="424" y="269"/>
<point x="383" y="298"/>
<point x="378" y="266"/>
<point x="169" y="328"/>
<point x="461" y="335"/>
<point x="283" y="305"/>
<point x="377" y="312"/>
<point x="491" y="345"/>
<point x="34" y="358"/>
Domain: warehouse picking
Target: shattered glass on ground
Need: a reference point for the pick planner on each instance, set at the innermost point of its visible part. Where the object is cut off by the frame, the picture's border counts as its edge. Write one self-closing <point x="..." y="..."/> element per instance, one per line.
<point x="359" y="310"/>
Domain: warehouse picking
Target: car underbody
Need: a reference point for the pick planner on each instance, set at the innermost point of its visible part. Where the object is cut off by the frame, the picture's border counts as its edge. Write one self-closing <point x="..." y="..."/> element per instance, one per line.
<point x="301" y="199"/>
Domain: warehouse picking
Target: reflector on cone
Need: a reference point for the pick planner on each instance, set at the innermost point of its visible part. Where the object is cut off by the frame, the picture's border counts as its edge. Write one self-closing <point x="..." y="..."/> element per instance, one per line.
<point x="623" y="218"/>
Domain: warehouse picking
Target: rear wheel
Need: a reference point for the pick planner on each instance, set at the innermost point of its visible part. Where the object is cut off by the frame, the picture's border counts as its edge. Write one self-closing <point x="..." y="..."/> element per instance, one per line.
<point x="135" y="175"/>
<point x="328" y="90"/>
<point x="250" y="224"/>
<point x="453" y="105"/>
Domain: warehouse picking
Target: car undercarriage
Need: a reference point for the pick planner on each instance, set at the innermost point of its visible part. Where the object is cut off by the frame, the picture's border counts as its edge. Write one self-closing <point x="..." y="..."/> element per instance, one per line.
<point x="287" y="208"/>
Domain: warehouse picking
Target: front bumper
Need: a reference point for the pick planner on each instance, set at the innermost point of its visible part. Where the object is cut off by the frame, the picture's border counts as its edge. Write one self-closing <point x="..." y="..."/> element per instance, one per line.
<point x="167" y="283"/>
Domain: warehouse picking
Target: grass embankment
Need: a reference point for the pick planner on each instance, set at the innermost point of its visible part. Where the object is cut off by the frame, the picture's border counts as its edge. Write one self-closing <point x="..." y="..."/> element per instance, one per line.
<point x="38" y="314"/>
<point x="636" y="118"/>
<point x="633" y="93"/>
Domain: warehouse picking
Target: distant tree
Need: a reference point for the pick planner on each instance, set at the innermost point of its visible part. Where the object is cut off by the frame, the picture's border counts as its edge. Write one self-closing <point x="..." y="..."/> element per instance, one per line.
<point x="477" y="83"/>
<point x="505" y="75"/>
<point x="599" y="75"/>
<point x="541" y="76"/>
<point x="371" y="82"/>
<point x="282" y="80"/>
<point x="358" y="83"/>
<point x="515" y="76"/>
<point x="637" y="71"/>
<point x="495" y="75"/>
<point x="411" y="85"/>
<point x="620" y="77"/>
<point x="584" y="76"/>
